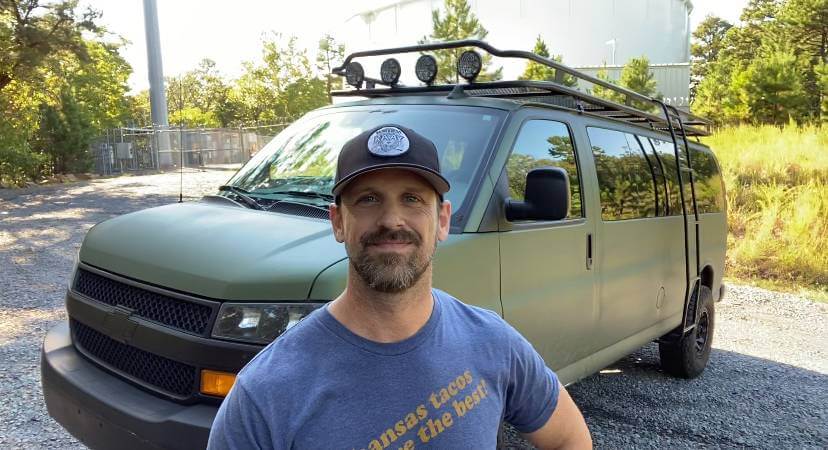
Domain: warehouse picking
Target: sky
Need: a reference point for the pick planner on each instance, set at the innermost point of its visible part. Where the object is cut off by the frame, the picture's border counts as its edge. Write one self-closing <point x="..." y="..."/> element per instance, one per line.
<point x="231" y="32"/>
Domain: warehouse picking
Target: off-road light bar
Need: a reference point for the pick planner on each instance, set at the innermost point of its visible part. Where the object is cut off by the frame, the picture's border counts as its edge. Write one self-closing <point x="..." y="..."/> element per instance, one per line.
<point x="390" y="71"/>
<point x="354" y="74"/>
<point x="469" y="65"/>
<point x="426" y="69"/>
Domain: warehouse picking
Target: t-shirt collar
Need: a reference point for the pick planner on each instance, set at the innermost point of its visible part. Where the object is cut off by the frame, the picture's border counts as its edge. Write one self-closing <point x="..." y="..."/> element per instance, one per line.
<point x="381" y="348"/>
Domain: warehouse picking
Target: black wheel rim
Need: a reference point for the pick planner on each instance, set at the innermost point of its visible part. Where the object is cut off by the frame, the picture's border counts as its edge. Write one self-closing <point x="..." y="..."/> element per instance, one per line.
<point x="701" y="332"/>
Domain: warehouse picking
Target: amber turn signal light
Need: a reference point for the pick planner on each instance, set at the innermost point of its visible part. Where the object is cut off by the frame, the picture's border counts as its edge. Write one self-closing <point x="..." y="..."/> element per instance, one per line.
<point x="216" y="383"/>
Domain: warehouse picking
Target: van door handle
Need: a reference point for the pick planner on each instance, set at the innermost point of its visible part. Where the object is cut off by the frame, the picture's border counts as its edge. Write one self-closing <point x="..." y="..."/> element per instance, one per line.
<point x="589" y="251"/>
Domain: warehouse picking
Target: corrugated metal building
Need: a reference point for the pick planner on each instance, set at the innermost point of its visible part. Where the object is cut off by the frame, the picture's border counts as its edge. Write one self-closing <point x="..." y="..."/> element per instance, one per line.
<point x="587" y="33"/>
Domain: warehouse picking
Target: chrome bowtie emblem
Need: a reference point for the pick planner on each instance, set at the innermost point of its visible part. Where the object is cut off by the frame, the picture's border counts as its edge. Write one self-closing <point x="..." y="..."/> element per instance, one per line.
<point x="388" y="141"/>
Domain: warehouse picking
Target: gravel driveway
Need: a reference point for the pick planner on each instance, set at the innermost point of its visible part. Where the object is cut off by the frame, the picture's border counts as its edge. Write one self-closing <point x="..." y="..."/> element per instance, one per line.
<point x="766" y="385"/>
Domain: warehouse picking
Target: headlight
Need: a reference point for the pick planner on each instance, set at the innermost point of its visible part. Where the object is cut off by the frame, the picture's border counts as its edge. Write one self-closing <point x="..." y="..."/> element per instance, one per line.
<point x="259" y="323"/>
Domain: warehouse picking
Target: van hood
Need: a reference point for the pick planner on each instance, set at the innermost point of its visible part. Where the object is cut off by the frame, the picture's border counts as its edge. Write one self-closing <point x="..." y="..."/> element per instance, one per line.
<point x="216" y="251"/>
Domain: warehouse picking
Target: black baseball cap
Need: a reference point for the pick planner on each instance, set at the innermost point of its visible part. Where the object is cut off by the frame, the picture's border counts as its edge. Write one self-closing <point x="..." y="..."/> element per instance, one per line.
<point x="385" y="147"/>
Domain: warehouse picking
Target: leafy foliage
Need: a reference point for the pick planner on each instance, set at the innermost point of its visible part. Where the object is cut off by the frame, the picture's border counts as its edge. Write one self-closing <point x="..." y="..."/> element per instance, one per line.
<point x="36" y="35"/>
<point x="65" y="134"/>
<point x="767" y="69"/>
<point x="535" y="71"/>
<point x="770" y="90"/>
<point x="709" y="37"/>
<point x="283" y="85"/>
<point x="635" y="76"/>
<point x="457" y="23"/>
<point x="61" y="82"/>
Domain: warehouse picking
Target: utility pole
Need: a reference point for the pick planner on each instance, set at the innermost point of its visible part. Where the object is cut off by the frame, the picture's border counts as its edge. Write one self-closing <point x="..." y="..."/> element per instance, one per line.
<point x="158" y="99"/>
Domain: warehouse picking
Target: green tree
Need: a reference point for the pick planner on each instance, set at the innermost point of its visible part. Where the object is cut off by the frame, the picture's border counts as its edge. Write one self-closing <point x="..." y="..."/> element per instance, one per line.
<point x="770" y="90"/>
<point x="806" y="24"/>
<point x="283" y="85"/>
<point x="140" y="114"/>
<point x="200" y="97"/>
<point x="34" y="36"/>
<point x="606" y="93"/>
<point x="821" y="71"/>
<point x="99" y="84"/>
<point x="62" y="81"/>
<point x="536" y="71"/>
<point x="458" y="23"/>
<point x="65" y="134"/>
<point x="709" y="41"/>
<point x="635" y="76"/>
<point x="329" y="55"/>
<point x="714" y="96"/>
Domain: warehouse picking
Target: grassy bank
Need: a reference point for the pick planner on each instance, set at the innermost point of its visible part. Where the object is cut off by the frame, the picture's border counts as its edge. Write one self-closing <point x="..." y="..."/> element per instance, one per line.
<point x="777" y="192"/>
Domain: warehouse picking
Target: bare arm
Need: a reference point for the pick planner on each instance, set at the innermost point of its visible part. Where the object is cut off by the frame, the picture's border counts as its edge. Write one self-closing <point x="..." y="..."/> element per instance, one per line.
<point x="565" y="429"/>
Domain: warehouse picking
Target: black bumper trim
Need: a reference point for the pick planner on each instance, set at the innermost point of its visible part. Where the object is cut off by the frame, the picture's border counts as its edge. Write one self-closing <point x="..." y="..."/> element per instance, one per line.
<point x="103" y="411"/>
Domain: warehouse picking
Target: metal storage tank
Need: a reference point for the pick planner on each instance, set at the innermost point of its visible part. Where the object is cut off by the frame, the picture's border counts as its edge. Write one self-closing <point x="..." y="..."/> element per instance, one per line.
<point x="587" y="33"/>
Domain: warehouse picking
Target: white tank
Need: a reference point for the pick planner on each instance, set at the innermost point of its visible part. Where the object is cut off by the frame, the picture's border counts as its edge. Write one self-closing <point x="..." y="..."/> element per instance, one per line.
<point x="587" y="33"/>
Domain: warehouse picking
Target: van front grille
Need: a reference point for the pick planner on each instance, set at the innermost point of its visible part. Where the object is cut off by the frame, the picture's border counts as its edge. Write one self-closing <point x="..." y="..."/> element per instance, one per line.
<point x="166" y="375"/>
<point x="173" y="312"/>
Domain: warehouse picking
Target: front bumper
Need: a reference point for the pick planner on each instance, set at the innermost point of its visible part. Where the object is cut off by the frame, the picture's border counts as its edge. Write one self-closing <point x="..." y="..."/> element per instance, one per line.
<point x="104" y="412"/>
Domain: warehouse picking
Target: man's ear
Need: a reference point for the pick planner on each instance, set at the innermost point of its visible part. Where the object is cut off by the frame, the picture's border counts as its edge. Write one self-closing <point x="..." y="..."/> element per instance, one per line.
<point x="335" y="214"/>
<point x="444" y="220"/>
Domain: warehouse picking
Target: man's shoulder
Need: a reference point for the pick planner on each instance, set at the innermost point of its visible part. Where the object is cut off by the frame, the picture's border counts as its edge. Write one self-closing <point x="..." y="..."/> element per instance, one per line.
<point x="482" y="319"/>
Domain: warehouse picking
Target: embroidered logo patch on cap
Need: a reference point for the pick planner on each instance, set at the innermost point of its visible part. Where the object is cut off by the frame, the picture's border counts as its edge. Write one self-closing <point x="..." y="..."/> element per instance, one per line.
<point x="388" y="141"/>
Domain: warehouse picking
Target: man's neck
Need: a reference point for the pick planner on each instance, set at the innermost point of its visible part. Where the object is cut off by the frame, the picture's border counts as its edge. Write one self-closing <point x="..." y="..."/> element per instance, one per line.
<point x="381" y="316"/>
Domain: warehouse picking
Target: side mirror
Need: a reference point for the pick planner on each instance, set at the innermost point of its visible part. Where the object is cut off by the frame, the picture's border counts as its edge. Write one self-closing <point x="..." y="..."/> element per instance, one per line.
<point x="546" y="196"/>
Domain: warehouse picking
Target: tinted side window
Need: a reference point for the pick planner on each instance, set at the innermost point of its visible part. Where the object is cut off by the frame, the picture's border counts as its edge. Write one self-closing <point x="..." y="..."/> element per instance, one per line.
<point x="709" y="193"/>
<point x="624" y="176"/>
<point x="662" y="203"/>
<point x="668" y="161"/>
<point x="544" y="143"/>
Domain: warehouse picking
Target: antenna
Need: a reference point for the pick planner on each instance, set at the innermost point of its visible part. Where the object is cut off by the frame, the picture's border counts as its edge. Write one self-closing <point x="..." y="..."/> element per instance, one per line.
<point x="181" y="141"/>
<point x="181" y="163"/>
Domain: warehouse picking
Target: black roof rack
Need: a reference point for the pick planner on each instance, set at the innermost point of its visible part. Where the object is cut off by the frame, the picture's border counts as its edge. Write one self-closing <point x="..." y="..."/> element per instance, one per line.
<point x="668" y="118"/>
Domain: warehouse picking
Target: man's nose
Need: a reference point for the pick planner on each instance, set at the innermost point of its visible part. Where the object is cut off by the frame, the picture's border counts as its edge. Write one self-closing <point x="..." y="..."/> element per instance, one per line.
<point x="391" y="216"/>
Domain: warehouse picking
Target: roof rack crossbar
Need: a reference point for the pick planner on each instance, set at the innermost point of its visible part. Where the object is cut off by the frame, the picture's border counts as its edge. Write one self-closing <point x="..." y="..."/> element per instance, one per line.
<point x="583" y="102"/>
<point x="560" y="69"/>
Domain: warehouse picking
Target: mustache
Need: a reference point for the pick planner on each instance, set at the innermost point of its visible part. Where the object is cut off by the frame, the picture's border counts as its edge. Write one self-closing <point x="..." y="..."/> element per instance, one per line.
<point x="384" y="234"/>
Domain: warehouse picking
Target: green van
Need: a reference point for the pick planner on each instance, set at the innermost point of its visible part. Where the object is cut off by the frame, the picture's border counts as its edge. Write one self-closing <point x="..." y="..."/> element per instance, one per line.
<point x="593" y="227"/>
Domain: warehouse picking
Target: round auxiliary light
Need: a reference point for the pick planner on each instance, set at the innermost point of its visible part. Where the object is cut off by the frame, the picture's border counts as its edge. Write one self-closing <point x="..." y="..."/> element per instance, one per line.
<point x="354" y="74"/>
<point x="469" y="65"/>
<point x="426" y="69"/>
<point x="390" y="71"/>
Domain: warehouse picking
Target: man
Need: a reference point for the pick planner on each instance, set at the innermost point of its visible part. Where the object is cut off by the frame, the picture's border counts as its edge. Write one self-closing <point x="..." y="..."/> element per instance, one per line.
<point x="392" y="362"/>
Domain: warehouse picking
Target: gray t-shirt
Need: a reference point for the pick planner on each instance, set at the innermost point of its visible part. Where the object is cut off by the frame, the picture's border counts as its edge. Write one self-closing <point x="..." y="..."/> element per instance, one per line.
<point x="320" y="386"/>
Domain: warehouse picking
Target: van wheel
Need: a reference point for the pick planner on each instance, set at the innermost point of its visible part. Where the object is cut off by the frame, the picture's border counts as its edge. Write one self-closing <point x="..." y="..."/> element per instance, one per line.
<point x="688" y="357"/>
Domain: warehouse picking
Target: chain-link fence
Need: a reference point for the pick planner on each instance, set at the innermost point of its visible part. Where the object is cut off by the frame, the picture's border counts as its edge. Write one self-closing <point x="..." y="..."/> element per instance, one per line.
<point x="123" y="150"/>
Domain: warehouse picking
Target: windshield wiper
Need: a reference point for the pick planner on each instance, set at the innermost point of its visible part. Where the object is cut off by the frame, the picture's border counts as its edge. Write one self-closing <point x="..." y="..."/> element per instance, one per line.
<point x="308" y="194"/>
<point x="242" y="195"/>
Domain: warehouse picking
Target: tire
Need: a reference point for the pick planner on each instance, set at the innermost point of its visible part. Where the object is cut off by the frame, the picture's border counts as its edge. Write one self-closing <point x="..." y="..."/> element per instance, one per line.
<point x="688" y="357"/>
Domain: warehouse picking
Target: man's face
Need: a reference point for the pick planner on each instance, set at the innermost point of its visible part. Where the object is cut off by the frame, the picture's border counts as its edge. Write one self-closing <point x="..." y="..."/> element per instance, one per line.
<point x="390" y="221"/>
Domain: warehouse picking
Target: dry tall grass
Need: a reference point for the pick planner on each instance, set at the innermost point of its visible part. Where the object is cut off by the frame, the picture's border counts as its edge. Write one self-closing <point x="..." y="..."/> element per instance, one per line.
<point x="777" y="192"/>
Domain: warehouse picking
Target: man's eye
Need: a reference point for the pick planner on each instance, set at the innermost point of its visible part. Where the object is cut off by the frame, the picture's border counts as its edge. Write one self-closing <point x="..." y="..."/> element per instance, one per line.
<point x="412" y="198"/>
<point x="367" y="199"/>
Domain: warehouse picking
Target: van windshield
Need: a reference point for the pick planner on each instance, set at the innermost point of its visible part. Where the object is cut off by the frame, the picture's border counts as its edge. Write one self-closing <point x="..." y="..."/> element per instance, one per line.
<point x="299" y="164"/>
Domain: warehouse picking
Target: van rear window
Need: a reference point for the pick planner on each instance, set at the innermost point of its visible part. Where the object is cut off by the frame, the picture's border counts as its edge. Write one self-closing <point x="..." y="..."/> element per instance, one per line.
<point x="628" y="189"/>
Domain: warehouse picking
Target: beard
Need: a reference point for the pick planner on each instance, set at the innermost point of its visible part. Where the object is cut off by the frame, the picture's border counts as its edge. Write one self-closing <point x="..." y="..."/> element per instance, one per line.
<point x="390" y="272"/>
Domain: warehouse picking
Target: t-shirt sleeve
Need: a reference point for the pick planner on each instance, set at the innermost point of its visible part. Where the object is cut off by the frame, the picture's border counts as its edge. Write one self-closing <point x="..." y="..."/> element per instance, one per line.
<point x="533" y="388"/>
<point x="239" y="424"/>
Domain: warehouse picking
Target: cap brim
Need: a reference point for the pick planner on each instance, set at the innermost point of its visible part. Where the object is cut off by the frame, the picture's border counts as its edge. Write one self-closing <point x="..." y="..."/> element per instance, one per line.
<point x="440" y="184"/>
